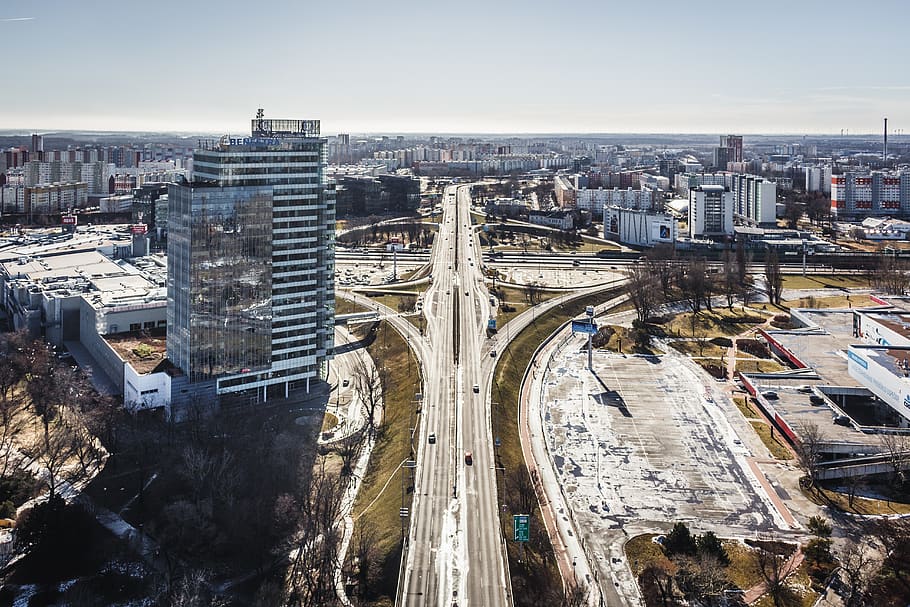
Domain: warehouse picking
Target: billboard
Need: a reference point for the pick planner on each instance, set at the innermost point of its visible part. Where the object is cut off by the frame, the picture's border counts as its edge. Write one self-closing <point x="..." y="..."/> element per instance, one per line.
<point x="584" y="326"/>
<point x="491" y="324"/>
<point x="139" y="228"/>
<point x="69" y="220"/>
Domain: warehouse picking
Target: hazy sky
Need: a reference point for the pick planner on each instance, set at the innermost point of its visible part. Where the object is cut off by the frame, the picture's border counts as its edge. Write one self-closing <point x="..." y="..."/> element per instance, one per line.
<point x="796" y="66"/>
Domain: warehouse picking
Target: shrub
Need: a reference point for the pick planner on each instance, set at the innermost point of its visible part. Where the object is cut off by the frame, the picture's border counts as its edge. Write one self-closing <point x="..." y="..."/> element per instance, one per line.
<point x="7" y="509"/>
<point x="723" y="342"/>
<point x="679" y="541"/>
<point x="754" y="347"/>
<point x="16" y="487"/>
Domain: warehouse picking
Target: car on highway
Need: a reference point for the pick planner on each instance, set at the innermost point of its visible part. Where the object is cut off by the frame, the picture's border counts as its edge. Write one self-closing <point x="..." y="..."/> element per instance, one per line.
<point x="476" y="389"/>
<point x="466" y="293"/>
<point x="815" y="399"/>
<point x="804" y="389"/>
<point x="770" y="395"/>
<point x="432" y="438"/>
<point x="492" y="353"/>
<point x="345" y="383"/>
<point x="468" y="458"/>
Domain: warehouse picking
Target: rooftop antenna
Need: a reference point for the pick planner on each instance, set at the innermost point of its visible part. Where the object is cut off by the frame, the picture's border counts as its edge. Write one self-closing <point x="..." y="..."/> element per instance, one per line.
<point x="260" y="115"/>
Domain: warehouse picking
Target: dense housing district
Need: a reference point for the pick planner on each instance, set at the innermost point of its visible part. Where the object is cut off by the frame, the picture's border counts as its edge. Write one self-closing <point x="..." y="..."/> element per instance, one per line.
<point x="282" y="367"/>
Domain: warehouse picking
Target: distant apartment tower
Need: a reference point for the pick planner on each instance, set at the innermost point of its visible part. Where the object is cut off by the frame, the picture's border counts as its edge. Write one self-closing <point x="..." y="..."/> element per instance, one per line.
<point x="710" y="211"/>
<point x="755" y="198"/>
<point x="818" y="179"/>
<point x="251" y="265"/>
<point x="871" y="194"/>
<point x="729" y="150"/>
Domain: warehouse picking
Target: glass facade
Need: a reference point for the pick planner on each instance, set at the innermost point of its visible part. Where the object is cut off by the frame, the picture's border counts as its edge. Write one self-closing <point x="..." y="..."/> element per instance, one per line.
<point x="291" y="167"/>
<point x="222" y="265"/>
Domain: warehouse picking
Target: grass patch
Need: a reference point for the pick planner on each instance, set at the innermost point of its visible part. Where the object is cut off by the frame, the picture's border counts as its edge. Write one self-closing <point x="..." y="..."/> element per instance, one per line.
<point x="625" y="337"/>
<point x="825" y="281"/>
<point x="719" y="322"/>
<point x="756" y="365"/>
<point x="400" y="303"/>
<point x="642" y="551"/>
<point x="775" y="445"/>
<point x="329" y="421"/>
<point x="537" y="570"/>
<point x="798" y="593"/>
<point x="392" y="448"/>
<point x="744" y="407"/>
<point x="742" y="570"/>
<point x="626" y="306"/>
<point x="346" y="306"/>
<point x="861" y="505"/>
<point x="701" y="348"/>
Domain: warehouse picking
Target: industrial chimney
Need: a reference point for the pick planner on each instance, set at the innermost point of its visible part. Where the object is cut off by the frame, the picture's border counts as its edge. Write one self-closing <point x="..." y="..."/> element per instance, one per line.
<point x="885" y="144"/>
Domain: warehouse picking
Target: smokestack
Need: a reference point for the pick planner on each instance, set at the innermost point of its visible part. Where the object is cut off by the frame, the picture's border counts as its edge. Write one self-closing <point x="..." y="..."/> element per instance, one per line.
<point x="885" y="144"/>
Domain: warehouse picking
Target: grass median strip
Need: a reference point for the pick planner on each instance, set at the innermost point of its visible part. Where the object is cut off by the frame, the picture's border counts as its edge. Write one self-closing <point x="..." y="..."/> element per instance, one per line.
<point x="381" y="522"/>
<point x="533" y="569"/>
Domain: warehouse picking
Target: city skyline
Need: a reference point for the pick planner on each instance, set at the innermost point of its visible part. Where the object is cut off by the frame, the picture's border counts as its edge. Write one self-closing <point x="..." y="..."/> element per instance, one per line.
<point x="508" y="68"/>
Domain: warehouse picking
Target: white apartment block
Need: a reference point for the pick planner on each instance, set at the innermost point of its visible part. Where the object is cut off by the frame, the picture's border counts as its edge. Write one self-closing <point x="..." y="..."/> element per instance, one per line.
<point x="818" y="179"/>
<point x="710" y="211"/>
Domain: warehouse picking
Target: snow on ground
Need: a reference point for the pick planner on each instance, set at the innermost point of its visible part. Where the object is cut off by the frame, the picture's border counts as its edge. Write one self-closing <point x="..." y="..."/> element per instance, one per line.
<point x="636" y="441"/>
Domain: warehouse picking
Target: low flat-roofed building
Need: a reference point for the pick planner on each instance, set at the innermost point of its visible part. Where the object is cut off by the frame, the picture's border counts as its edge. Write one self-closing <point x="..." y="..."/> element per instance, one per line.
<point x="88" y="302"/>
<point x="885" y="370"/>
<point x="885" y="328"/>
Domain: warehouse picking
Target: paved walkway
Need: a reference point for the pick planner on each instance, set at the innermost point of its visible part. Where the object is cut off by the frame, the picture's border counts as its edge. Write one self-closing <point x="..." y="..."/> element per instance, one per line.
<point x="755" y="593"/>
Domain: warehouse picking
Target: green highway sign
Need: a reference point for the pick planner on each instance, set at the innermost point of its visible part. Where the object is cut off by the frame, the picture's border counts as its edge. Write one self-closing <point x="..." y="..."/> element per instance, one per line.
<point x="521" y="527"/>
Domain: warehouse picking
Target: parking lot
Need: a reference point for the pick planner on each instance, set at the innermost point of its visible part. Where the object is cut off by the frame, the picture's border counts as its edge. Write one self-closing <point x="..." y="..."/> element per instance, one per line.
<point x="645" y="439"/>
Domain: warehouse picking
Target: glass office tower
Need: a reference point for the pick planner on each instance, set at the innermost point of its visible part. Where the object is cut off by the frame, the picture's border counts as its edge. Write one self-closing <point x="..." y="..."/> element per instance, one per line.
<point x="251" y="262"/>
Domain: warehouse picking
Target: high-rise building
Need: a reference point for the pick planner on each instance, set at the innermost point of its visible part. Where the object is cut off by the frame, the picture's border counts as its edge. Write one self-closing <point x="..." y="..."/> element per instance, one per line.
<point x="710" y="211"/>
<point x="870" y="194"/>
<point x="251" y="264"/>
<point x="730" y="150"/>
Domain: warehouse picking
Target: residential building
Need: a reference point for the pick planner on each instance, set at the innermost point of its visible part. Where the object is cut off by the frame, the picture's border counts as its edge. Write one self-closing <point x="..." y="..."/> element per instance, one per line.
<point x="561" y="220"/>
<point x="818" y="178"/>
<point x="251" y="265"/>
<point x="710" y="211"/>
<point x="876" y="193"/>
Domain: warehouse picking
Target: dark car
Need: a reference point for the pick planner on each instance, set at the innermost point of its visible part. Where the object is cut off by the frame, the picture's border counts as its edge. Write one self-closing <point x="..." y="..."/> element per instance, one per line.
<point x="815" y="399"/>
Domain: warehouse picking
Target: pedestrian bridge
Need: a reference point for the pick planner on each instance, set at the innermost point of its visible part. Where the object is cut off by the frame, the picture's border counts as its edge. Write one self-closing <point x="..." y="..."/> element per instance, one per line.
<point x="356" y="317"/>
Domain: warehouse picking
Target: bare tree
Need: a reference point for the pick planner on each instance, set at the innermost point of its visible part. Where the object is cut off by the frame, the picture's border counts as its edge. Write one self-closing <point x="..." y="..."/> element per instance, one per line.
<point x="656" y="584"/>
<point x="808" y="450"/>
<point x="897" y="449"/>
<point x="701" y="577"/>
<point x="348" y="449"/>
<point x="315" y="556"/>
<point x="368" y="384"/>
<point x="534" y="293"/>
<point x="774" y="278"/>
<point x="643" y="291"/>
<point x="891" y="276"/>
<point x="731" y="280"/>
<point x="857" y="568"/>
<point x="52" y="451"/>
<point x="772" y="566"/>
<point x="696" y="286"/>
<point x="521" y="489"/>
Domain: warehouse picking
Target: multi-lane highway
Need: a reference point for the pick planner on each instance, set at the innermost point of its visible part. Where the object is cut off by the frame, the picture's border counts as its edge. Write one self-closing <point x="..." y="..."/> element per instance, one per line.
<point x="455" y="554"/>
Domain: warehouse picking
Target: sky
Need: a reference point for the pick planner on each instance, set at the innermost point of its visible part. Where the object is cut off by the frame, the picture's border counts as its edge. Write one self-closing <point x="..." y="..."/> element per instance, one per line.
<point x="470" y="66"/>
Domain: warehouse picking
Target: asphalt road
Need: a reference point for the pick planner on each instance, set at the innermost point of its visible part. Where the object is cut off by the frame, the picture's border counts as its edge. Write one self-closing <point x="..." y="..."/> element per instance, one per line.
<point x="454" y="554"/>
